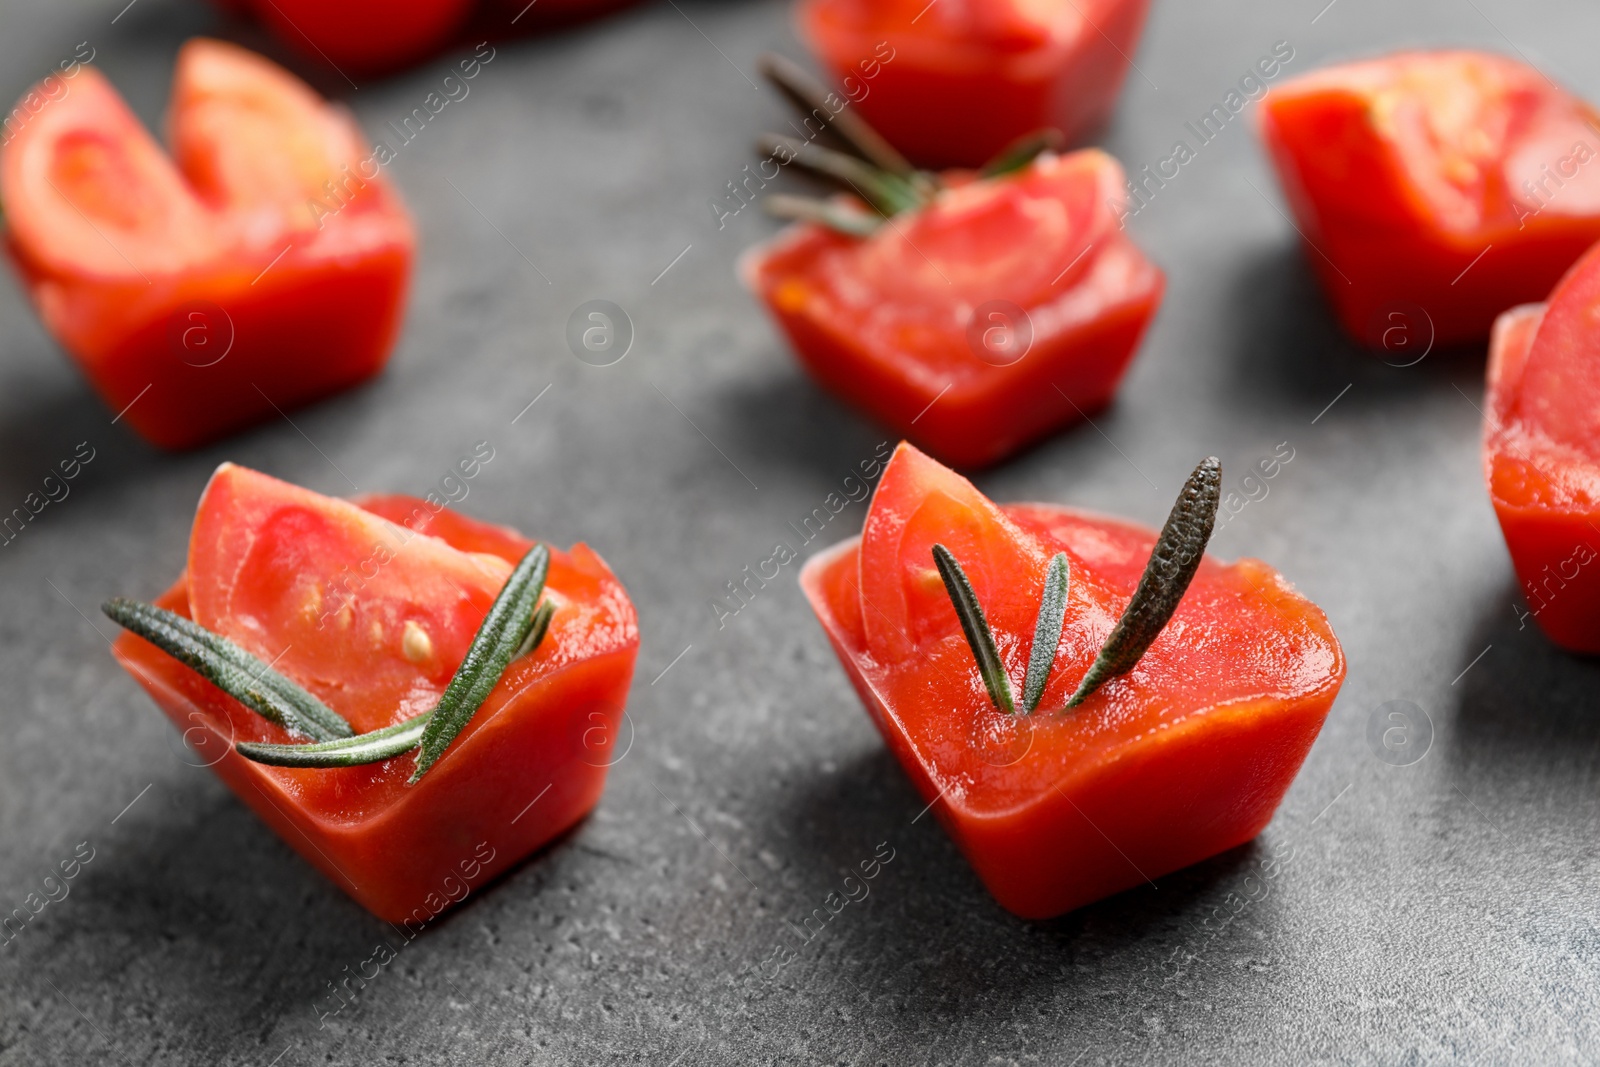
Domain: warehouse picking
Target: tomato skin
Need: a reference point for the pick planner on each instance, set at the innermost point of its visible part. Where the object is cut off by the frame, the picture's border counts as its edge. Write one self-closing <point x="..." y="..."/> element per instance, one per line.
<point x="206" y="316"/>
<point x="369" y="37"/>
<point x="552" y="721"/>
<point x="1398" y="215"/>
<point x="363" y="36"/>
<point x="495" y="16"/>
<point x="951" y="96"/>
<point x="1186" y="757"/>
<point x="902" y="351"/>
<point x="316" y="323"/>
<point x="1545" y="483"/>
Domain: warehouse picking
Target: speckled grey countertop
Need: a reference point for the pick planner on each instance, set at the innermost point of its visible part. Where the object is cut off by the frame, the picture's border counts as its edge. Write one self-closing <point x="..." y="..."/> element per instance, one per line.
<point x="1439" y="911"/>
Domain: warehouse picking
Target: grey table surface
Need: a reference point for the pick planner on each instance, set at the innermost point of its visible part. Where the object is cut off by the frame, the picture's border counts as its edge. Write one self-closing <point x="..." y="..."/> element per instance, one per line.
<point x="1438" y="911"/>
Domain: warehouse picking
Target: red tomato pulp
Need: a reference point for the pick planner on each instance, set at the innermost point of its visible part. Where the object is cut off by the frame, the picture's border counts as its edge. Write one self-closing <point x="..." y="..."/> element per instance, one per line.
<point x="952" y="83"/>
<point x="1186" y="756"/>
<point x="899" y="323"/>
<point x="201" y="292"/>
<point x="1460" y="183"/>
<point x="371" y="607"/>
<point x="1541" y="444"/>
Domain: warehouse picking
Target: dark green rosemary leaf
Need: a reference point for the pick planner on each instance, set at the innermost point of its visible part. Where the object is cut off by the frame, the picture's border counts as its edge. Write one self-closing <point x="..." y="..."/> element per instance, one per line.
<point x="230" y="668"/>
<point x="537" y="627"/>
<point x="1021" y="152"/>
<point x="1047" y="631"/>
<point x="812" y="98"/>
<point x="846" y="220"/>
<point x="976" y="627"/>
<point x="887" y="192"/>
<point x="1173" y="561"/>
<point x="372" y="747"/>
<point x="492" y="649"/>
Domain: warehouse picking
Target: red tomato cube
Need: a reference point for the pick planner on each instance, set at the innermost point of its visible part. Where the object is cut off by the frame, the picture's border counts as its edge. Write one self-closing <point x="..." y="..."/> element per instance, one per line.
<point x="1541" y="452"/>
<point x="371" y="607"/>
<point x="952" y="84"/>
<point x="1184" y="757"/>
<point x="261" y="266"/>
<point x="1435" y="189"/>
<point x="1001" y="311"/>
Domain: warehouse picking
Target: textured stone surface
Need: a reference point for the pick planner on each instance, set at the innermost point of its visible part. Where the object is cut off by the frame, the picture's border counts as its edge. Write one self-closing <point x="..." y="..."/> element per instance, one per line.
<point x="1443" y="911"/>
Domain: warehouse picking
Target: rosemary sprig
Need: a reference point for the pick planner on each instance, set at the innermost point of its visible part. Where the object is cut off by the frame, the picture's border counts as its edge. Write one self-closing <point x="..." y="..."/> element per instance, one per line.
<point x="375" y="746"/>
<point x="889" y="193"/>
<point x="811" y="97"/>
<point x="829" y="213"/>
<point x="1167" y="575"/>
<point x="510" y="622"/>
<point x="876" y="171"/>
<point x="230" y="668"/>
<point x="976" y="627"/>
<point x="1047" y="630"/>
<point x="378" y="745"/>
<point x="514" y="627"/>
<point x="1022" y="151"/>
<point x="1173" y="562"/>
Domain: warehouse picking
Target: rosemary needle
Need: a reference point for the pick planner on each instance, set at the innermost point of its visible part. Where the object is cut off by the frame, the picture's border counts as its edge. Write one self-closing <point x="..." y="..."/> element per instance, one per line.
<point x="514" y="627"/>
<point x="230" y="668"/>
<point x="509" y="623"/>
<point x="1166" y="577"/>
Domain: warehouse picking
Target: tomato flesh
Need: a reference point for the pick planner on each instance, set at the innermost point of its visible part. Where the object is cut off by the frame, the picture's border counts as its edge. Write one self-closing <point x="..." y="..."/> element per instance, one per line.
<point x="371" y="606"/>
<point x="201" y="293"/>
<point x="1402" y="171"/>
<point x="903" y="597"/>
<point x="256" y="142"/>
<point x="1186" y="756"/>
<point x="89" y="193"/>
<point x="953" y="84"/>
<point x="334" y="592"/>
<point x="1541" y="450"/>
<point x="896" y="323"/>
